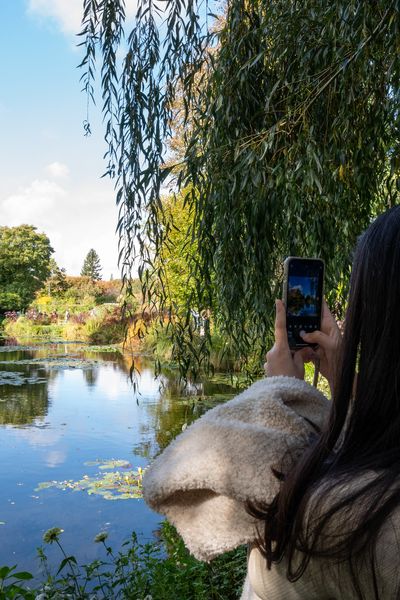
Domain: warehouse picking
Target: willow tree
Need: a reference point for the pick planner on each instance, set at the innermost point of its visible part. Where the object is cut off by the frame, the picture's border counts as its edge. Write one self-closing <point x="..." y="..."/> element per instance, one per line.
<point x="290" y="126"/>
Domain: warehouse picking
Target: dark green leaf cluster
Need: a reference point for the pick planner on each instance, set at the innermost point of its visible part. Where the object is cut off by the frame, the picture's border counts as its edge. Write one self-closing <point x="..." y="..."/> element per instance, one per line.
<point x="290" y="121"/>
<point x="57" y="283"/>
<point x="24" y="265"/>
<point x="12" y="584"/>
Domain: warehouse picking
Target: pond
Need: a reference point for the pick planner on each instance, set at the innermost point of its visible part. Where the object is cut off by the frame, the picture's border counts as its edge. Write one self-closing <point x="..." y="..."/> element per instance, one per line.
<point x="74" y="437"/>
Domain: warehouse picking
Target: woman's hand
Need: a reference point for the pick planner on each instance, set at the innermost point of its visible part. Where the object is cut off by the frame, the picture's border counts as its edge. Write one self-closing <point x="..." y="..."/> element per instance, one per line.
<point x="328" y="340"/>
<point x="280" y="360"/>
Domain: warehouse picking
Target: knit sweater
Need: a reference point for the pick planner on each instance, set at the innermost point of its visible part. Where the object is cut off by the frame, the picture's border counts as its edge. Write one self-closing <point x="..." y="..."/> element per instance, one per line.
<point x="202" y="480"/>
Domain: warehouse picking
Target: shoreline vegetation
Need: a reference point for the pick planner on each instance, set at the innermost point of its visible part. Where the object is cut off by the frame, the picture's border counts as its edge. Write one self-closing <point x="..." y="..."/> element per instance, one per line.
<point x="157" y="570"/>
<point x="81" y="309"/>
<point x="103" y="313"/>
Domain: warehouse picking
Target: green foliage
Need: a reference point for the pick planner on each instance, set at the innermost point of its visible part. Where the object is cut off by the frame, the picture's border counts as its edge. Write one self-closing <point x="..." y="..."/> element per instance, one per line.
<point x="290" y="126"/>
<point x="176" y="253"/>
<point x="12" y="584"/>
<point x="9" y="301"/>
<point x="60" y="293"/>
<point x="81" y="294"/>
<point x="26" y="328"/>
<point x="158" y="570"/>
<point x="106" y="326"/>
<point x="24" y="265"/>
<point x="57" y="283"/>
<point x="91" y="266"/>
<point x="102" y="325"/>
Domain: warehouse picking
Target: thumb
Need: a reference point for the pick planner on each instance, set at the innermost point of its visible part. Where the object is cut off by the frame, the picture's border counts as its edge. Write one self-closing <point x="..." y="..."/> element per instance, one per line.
<point x="299" y="358"/>
<point x="316" y="337"/>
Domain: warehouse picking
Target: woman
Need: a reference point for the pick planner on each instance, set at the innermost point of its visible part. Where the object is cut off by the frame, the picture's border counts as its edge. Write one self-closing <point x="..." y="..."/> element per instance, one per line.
<point x="327" y="521"/>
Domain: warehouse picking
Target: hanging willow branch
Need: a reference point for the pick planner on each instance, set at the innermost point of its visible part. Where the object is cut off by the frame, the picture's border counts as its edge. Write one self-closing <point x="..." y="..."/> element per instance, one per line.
<point x="290" y="134"/>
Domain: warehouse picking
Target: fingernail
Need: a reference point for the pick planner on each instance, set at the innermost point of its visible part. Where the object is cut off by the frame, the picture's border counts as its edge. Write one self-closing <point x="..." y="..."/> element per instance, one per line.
<point x="302" y="333"/>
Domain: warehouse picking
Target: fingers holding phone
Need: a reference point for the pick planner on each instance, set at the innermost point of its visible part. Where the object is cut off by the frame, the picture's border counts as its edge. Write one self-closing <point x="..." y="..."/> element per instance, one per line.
<point x="305" y="329"/>
<point x="280" y="359"/>
<point x="328" y="339"/>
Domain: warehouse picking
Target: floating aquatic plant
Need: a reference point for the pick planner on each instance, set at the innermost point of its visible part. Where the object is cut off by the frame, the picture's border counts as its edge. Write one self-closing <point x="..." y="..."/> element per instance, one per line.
<point x="110" y="348"/>
<point x="113" y="485"/>
<point x="108" y="464"/>
<point x="17" y="378"/>
<point x="40" y="345"/>
<point x="58" y="362"/>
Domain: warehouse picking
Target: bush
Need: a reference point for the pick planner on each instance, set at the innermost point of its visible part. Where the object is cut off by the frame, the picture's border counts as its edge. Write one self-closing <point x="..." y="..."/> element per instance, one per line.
<point x="22" y="326"/>
<point x="106" y="326"/>
<point x="155" y="338"/>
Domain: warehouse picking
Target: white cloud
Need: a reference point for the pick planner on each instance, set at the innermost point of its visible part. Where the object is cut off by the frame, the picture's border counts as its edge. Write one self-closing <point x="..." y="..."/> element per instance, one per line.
<point x="56" y="458"/>
<point x="66" y="13"/>
<point x="30" y="202"/>
<point x="75" y="217"/>
<point x="57" y="170"/>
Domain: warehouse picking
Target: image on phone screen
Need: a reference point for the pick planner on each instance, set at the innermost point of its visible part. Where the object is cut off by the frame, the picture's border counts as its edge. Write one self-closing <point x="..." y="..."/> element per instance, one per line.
<point x="303" y="290"/>
<point x="302" y="297"/>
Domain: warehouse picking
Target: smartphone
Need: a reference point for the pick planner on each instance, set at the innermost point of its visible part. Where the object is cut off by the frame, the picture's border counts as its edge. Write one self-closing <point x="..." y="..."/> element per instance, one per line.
<point x="303" y="288"/>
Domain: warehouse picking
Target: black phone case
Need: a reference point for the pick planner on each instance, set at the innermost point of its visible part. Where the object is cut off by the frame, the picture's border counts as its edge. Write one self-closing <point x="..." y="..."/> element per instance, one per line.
<point x="298" y="346"/>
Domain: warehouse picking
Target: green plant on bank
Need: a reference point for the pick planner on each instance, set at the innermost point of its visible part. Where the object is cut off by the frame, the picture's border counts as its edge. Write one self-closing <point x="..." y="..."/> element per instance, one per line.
<point x="12" y="582"/>
<point x="158" y="570"/>
<point x="105" y="326"/>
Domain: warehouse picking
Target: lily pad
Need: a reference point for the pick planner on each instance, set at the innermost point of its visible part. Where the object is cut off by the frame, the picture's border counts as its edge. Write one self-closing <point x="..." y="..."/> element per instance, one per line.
<point x="113" y="485"/>
<point x="17" y="378"/>
<point x="109" y="349"/>
<point x="108" y="464"/>
<point x="58" y="362"/>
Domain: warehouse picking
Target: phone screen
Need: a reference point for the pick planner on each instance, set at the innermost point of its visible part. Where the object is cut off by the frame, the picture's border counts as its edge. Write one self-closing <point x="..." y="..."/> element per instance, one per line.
<point x="303" y="297"/>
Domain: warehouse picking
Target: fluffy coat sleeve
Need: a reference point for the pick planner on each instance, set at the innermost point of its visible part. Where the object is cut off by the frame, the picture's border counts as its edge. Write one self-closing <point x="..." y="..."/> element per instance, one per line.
<point x="203" y="478"/>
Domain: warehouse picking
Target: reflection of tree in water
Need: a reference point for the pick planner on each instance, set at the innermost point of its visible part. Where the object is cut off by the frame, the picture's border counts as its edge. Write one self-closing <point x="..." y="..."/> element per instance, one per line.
<point x="22" y="405"/>
<point x="165" y="421"/>
<point x="178" y="406"/>
<point x="90" y="376"/>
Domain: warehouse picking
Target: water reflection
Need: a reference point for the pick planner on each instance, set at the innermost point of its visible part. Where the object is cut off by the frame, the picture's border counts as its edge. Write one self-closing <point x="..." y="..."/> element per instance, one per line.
<point x="177" y="404"/>
<point x="70" y="407"/>
<point x="22" y="405"/>
<point x="25" y="398"/>
<point x="90" y="376"/>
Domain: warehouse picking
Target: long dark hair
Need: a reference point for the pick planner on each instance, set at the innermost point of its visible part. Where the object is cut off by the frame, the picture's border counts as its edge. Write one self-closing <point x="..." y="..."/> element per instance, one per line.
<point x="362" y="436"/>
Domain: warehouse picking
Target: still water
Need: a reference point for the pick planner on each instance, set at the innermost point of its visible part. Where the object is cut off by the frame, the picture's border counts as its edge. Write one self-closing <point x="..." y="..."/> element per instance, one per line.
<point x="64" y="411"/>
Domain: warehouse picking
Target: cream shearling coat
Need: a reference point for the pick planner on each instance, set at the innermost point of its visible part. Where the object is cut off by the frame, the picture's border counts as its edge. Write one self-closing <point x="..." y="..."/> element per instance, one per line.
<point x="203" y="478"/>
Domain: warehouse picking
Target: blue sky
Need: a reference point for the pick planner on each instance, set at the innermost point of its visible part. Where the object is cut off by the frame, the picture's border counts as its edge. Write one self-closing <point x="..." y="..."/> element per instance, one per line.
<point x="51" y="173"/>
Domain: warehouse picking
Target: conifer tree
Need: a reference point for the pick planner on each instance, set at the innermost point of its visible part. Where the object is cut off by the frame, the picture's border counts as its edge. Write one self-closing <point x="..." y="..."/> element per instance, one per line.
<point x="91" y="266"/>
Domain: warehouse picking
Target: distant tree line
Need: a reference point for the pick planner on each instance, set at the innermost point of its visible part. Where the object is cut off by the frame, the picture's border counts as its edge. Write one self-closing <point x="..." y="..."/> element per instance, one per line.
<point x="27" y="266"/>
